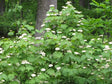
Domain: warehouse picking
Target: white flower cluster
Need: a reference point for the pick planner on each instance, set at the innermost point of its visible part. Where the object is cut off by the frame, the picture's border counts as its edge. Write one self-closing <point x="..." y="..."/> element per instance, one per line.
<point x="106" y="47"/>
<point x="57" y="49"/>
<point x="76" y="53"/>
<point x="42" y="53"/>
<point x="47" y="29"/>
<point x="64" y="37"/>
<point x="50" y="65"/>
<point x="1" y="50"/>
<point x="80" y="30"/>
<point x="22" y="37"/>
<point x="33" y="75"/>
<point x="25" y="62"/>
<point x="52" y="5"/>
<point x="51" y="14"/>
<point x="58" y="68"/>
<point x="68" y="2"/>
<point x="42" y="25"/>
<point x="38" y="38"/>
<point x="110" y="42"/>
<point x="43" y="69"/>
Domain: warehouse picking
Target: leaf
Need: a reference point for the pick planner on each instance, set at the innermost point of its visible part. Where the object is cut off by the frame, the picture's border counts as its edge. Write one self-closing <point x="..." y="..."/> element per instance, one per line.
<point x="30" y="28"/>
<point x="28" y="67"/>
<point x="51" y="72"/>
<point x="4" y="76"/>
<point x="43" y="76"/>
<point x="57" y="55"/>
<point x="11" y="76"/>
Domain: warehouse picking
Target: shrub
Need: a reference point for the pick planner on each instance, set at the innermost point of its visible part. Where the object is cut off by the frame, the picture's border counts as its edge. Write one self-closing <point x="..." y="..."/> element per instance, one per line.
<point x="62" y="56"/>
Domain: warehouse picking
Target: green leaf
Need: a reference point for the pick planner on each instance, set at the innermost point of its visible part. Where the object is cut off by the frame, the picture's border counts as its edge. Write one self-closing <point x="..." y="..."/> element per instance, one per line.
<point x="51" y="72"/>
<point x="11" y="76"/>
<point x="57" y="55"/>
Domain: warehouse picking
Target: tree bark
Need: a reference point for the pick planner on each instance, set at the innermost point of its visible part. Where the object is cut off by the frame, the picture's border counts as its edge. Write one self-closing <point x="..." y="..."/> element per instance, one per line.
<point x="2" y="6"/>
<point x="43" y="7"/>
<point x="82" y="3"/>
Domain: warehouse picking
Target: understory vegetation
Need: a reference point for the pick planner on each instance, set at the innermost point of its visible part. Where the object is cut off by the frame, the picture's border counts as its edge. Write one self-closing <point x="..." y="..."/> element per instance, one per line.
<point x="73" y="49"/>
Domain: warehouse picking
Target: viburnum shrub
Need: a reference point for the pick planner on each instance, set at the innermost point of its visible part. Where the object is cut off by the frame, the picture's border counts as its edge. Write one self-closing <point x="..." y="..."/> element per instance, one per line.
<point x="62" y="55"/>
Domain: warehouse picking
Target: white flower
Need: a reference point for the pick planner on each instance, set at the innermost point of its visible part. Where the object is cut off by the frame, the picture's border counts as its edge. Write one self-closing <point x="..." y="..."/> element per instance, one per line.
<point x="101" y="35"/>
<point x="67" y="38"/>
<point x="106" y="47"/>
<point x="69" y="51"/>
<point x="73" y="34"/>
<point x="76" y="53"/>
<point x="78" y="12"/>
<point x="84" y="67"/>
<point x="1" y="52"/>
<point x="83" y="50"/>
<point x="43" y="69"/>
<point x="42" y="53"/>
<point x="0" y="59"/>
<point x="68" y="2"/>
<point x="9" y="64"/>
<point x="48" y="29"/>
<point x="80" y="46"/>
<point x="110" y="42"/>
<point x="63" y="36"/>
<point x="98" y="38"/>
<point x="58" y="68"/>
<point x="33" y="75"/>
<point x="88" y="46"/>
<point x="97" y="59"/>
<point x="107" y="65"/>
<point x="38" y="38"/>
<point x="1" y="73"/>
<point x="3" y="80"/>
<point x="85" y="40"/>
<point x="64" y="7"/>
<point x="79" y="21"/>
<point x="52" y="5"/>
<point x="80" y="30"/>
<point x="11" y="46"/>
<point x="24" y="34"/>
<point x="74" y="30"/>
<point x="17" y="64"/>
<point x="25" y="62"/>
<point x="42" y="25"/>
<point x="1" y="49"/>
<point x="50" y="65"/>
<point x="88" y="59"/>
<point x="20" y="37"/>
<point x="53" y="31"/>
<point x="59" y="32"/>
<point x="78" y="24"/>
<point x="57" y="48"/>
<point x="47" y="14"/>
<point x="25" y="38"/>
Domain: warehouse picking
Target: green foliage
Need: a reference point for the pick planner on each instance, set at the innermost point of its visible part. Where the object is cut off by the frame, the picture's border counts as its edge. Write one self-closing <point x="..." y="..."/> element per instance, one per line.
<point x="63" y="55"/>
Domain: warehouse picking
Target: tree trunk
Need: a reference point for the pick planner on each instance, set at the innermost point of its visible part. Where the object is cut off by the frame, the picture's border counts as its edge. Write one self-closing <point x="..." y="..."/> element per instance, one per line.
<point x="82" y="3"/>
<point x="43" y="7"/>
<point x="2" y="6"/>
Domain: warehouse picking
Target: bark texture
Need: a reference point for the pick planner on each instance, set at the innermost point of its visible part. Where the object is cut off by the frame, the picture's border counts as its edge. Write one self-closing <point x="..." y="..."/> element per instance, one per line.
<point x="82" y="3"/>
<point x="2" y="6"/>
<point x="43" y="7"/>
